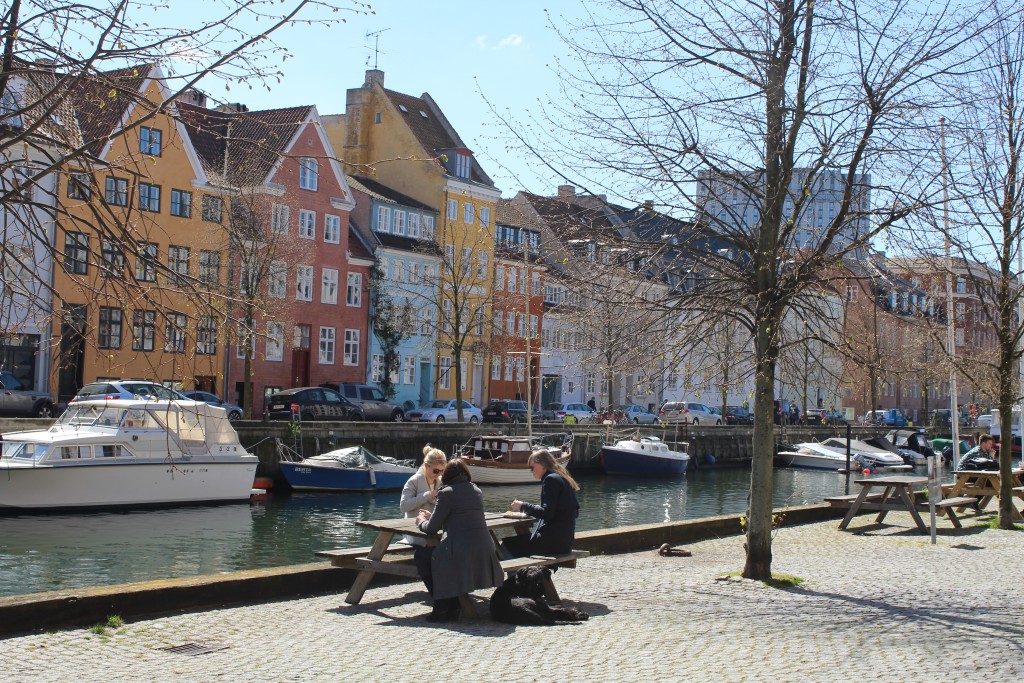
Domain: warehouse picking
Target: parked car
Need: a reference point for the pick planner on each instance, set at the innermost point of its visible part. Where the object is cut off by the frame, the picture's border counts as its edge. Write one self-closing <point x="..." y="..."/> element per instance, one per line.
<point x="505" y="411"/>
<point x="636" y="414"/>
<point x="738" y="415"/>
<point x="940" y="418"/>
<point x="786" y="412"/>
<point x="371" y="399"/>
<point x="569" y="413"/>
<point x="17" y="400"/>
<point x="311" y="403"/>
<point x="984" y="421"/>
<point x="444" y="410"/>
<point x="234" y="412"/>
<point x="690" y="412"/>
<point x="889" y="417"/>
<point x="824" y="416"/>
<point x="127" y="388"/>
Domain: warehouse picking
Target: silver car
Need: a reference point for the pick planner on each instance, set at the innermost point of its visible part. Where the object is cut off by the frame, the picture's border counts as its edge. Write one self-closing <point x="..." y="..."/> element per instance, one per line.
<point x="568" y="413"/>
<point x="636" y="414"/>
<point x="690" y="412"/>
<point x="444" y="410"/>
<point x="128" y="389"/>
<point x="17" y="400"/>
<point x="234" y="412"/>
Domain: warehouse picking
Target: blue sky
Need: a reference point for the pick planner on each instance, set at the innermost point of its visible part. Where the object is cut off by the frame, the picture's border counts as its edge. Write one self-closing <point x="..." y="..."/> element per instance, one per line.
<point x="458" y="51"/>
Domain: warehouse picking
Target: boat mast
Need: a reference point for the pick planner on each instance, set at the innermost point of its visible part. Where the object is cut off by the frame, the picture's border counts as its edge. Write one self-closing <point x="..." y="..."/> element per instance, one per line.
<point x="954" y="415"/>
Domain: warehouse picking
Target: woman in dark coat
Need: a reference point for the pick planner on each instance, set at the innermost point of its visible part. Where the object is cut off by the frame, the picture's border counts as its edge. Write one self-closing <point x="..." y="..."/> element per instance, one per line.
<point x="465" y="559"/>
<point x="559" y="507"/>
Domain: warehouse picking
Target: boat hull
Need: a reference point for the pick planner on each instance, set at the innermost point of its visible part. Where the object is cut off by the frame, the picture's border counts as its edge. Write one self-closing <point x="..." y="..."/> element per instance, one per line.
<point x="106" y="485"/>
<point x="496" y="472"/>
<point x="810" y="461"/>
<point x="619" y="461"/>
<point x="305" y="477"/>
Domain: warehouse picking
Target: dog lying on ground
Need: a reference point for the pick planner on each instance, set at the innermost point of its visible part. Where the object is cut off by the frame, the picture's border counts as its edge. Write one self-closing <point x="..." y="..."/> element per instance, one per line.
<point x="521" y="601"/>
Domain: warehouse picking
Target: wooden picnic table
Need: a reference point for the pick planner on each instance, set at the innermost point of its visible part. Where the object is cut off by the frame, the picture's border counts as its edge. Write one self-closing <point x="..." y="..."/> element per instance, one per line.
<point x="898" y="495"/>
<point x="986" y="485"/>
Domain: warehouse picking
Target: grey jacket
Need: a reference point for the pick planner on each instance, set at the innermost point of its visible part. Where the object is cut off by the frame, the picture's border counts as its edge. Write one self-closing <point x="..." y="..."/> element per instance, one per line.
<point x="415" y="496"/>
<point x="465" y="559"/>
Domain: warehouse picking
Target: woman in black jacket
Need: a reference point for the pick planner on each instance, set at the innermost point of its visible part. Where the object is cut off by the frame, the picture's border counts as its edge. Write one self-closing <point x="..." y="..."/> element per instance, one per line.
<point x="556" y="514"/>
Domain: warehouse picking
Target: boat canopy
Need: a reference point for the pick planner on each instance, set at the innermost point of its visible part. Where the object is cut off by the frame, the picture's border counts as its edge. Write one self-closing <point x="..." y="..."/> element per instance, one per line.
<point x="196" y="426"/>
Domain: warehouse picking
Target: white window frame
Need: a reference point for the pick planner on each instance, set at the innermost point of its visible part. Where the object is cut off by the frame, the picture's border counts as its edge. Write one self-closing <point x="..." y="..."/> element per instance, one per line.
<point x="496" y="368"/>
<point x="327" y="345"/>
<point x="481" y="264"/>
<point x="409" y="369"/>
<point x="427" y="227"/>
<point x="279" y="217"/>
<point x="377" y="368"/>
<point x="329" y="286"/>
<point x="414" y="224"/>
<point x="383" y="219"/>
<point x="351" y="349"/>
<point x="303" y="283"/>
<point x="309" y="172"/>
<point x="445" y="373"/>
<point x="499" y="321"/>
<point x="354" y="290"/>
<point x="278" y="285"/>
<point x="332" y="228"/>
<point x="275" y="342"/>
<point x="398" y="222"/>
<point x="468" y="211"/>
<point x="453" y="209"/>
<point x="307" y="224"/>
<point x="464" y="365"/>
<point x="485" y="216"/>
<point x="499" y="278"/>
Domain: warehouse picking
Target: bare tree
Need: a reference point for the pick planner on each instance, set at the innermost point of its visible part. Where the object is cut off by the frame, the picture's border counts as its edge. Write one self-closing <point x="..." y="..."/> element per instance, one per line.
<point x="764" y="108"/>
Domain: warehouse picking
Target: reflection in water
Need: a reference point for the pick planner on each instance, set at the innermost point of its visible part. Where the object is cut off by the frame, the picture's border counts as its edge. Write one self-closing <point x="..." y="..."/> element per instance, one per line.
<point x="50" y="552"/>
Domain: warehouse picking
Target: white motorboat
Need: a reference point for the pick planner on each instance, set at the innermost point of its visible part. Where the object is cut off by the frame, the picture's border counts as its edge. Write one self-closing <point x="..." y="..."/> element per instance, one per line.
<point x="499" y="459"/>
<point x="115" y="453"/>
<point x="830" y="454"/>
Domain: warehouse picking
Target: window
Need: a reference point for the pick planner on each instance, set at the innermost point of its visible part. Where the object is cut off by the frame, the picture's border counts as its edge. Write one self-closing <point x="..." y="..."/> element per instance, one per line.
<point x="414" y="225"/>
<point x="177" y="263"/>
<point x="351" y="347"/>
<point x="303" y="283"/>
<point x="499" y="321"/>
<point x="332" y="229"/>
<point x="512" y="272"/>
<point x="462" y="165"/>
<point x="329" y="286"/>
<point x="481" y="264"/>
<point x="485" y="216"/>
<point x="467" y="261"/>
<point x="149" y="197"/>
<point x="79" y="186"/>
<point x="174" y="332"/>
<point x="275" y="341"/>
<point x="510" y="365"/>
<point x="383" y="219"/>
<point x="326" y="346"/>
<point x="377" y="118"/>
<point x="510" y="323"/>
<point x="143" y="325"/>
<point x="354" y="290"/>
<point x="308" y="170"/>
<point x="116" y="191"/>
<point x="307" y="224"/>
<point x="181" y="203"/>
<point x="209" y="267"/>
<point x="213" y="209"/>
<point x="110" y="328"/>
<point x="467" y="213"/>
<point x="533" y="325"/>
<point x="278" y="279"/>
<point x="76" y="252"/>
<point x="206" y="336"/>
<point x="446" y="372"/>
<point x="496" y="367"/>
<point x="398" y="227"/>
<point x="150" y="140"/>
<point x="279" y="217"/>
<point x="961" y="285"/>
<point x="426" y="320"/>
<point x="453" y="209"/>
<point x="499" y="278"/>
<point x="409" y="370"/>
<point x="428" y="227"/>
<point x="112" y="259"/>
<point x="377" y="368"/>
<point x="145" y="264"/>
<point x="478" y="321"/>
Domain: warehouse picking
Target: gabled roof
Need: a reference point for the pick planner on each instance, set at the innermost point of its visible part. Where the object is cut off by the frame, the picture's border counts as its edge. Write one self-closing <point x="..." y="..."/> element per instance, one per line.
<point x="379" y="190"/>
<point x="251" y="142"/>
<point x="572" y="221"/>
<point x="358" y="244"/>
<point x="102" y="100"/>
<point x="35" y="92"/>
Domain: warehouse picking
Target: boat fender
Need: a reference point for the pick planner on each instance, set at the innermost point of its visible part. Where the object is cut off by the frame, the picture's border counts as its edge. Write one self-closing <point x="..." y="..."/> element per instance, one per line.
<point x="709" y="459"/>
<point x="263" y="483"/>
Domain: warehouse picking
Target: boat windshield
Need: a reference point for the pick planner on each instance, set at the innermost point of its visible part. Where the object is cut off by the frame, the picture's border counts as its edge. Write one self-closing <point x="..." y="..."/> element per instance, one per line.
<point x="20" y="450"/>
<point x="90" y="416"/>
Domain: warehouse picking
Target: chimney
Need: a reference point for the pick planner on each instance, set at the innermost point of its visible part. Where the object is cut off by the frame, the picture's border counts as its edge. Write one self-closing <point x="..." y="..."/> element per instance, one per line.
<point x="649" y="204"/>
<point x="566" y="191"/>
<point x="233" y="108"/>
<point x="374" y="76"/>
<point x="193" y="96"/>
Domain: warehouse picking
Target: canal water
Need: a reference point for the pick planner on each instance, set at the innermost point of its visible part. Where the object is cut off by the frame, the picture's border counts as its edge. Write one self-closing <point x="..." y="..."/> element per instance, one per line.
<point x="51" y="552"/>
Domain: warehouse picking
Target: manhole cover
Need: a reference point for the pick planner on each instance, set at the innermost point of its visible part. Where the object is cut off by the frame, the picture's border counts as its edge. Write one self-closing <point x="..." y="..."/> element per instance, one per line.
<point x="192" y="649"/>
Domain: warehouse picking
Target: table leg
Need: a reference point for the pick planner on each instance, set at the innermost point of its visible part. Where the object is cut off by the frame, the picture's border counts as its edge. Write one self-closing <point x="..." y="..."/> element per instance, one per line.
<point x="380" y="546"/>
<point x="857" y="502"/>
<point x="904" y="494"/>
<point x="951" y="514"/>
<point x="887" y="497"/>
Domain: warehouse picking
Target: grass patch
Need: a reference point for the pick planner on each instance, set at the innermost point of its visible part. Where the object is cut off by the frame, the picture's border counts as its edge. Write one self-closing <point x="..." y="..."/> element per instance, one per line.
<point x="994" y="524"/>
<point x="113" y="622"/>
<point x="783" y="581"/>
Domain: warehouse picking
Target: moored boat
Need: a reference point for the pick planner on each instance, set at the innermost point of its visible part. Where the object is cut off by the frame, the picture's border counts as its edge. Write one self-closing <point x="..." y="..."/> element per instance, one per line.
<point x="499" y="459"/>
<point x="830" y="454"/>
<point x="347" y="469"/>
<point x="118" y="453"/>
<point x="644" y="455"/>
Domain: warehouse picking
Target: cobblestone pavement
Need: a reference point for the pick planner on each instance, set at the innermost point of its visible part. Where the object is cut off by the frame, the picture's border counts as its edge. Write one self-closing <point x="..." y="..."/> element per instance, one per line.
<point x="878" y="604"/>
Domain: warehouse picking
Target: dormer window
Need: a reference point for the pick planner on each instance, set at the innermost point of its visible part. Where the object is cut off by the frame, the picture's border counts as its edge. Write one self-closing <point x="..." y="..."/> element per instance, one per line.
<point x="462" y="165"/>
<point x="423" y="113"/>
<point x="404" y="110"/>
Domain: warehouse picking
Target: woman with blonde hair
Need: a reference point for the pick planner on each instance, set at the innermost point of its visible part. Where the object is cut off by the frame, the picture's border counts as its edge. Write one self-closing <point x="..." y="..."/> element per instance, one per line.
<point x="420" y="493"/>
<point x="556" y="515"/>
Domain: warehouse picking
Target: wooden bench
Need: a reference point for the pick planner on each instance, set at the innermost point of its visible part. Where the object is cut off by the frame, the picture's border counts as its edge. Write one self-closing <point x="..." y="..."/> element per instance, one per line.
<point x="946" y="506"/>
<point x="567" y="560"/>
<point x="847" y="501"/>
<point x="349" y="557"/>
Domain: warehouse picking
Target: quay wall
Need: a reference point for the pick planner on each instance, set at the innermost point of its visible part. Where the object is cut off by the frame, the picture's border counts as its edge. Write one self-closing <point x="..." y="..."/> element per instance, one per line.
<point x="142" y="600"/>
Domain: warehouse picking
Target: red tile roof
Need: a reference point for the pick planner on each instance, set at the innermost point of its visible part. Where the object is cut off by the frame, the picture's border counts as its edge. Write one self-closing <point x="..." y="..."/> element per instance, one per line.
<point x="101" y="101"/>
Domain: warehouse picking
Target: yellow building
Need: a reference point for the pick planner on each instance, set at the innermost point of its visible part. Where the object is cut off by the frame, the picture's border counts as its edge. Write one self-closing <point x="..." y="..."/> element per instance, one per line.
<point x="141" y="253"/>
<point x="407" y="143"/>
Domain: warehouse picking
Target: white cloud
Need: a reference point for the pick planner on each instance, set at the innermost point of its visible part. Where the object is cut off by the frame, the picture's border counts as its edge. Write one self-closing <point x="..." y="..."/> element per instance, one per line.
<point x="481" y="42"/>
<point x="511" y="40"/>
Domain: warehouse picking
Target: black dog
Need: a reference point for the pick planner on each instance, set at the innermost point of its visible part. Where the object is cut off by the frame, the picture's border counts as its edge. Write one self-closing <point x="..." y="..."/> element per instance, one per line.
<point x="521" y="601"/>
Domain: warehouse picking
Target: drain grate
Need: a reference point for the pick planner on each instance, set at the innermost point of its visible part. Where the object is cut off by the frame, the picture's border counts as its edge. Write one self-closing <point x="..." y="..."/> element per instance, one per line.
<point x="192" y="649"/>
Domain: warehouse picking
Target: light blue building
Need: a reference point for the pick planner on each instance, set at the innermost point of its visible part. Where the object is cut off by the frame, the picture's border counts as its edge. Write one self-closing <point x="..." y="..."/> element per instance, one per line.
<point x="401" y="230"/>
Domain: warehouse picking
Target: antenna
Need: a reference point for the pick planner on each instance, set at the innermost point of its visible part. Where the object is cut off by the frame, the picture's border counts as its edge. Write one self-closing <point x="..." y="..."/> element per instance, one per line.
<point x="376" y="45"/>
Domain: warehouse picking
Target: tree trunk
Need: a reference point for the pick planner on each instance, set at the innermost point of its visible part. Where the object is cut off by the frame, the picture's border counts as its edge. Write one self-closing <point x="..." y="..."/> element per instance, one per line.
<point x="759" y="505"/>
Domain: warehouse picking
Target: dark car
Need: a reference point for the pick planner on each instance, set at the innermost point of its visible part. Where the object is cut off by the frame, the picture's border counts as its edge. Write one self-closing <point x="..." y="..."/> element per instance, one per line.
<point x="786" y="412"/>
<point x="370" y="399"/>
<point x="16" y="400"/>
<point x="505" y="411"/>
<point x="738" y="415"/>
<point x="234" y="412"/>
<point x="311" y="403"/>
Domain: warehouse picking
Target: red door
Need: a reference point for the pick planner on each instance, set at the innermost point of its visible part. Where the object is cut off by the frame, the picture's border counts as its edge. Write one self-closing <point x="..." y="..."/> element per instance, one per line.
<point x="300" y="356"/>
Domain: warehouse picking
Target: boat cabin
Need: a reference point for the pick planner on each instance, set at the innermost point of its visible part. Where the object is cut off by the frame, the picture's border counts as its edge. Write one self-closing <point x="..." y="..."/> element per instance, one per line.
<point x="514" y="450"/>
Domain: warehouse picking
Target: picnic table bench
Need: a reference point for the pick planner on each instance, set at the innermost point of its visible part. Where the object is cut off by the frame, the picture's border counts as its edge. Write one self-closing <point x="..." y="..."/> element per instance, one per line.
<point x="898" y="495"/>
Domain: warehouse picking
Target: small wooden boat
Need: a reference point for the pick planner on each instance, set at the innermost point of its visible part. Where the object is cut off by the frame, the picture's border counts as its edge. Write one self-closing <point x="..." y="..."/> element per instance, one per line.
<point x="499" y="459"/>
<point x="645" y="456"/>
